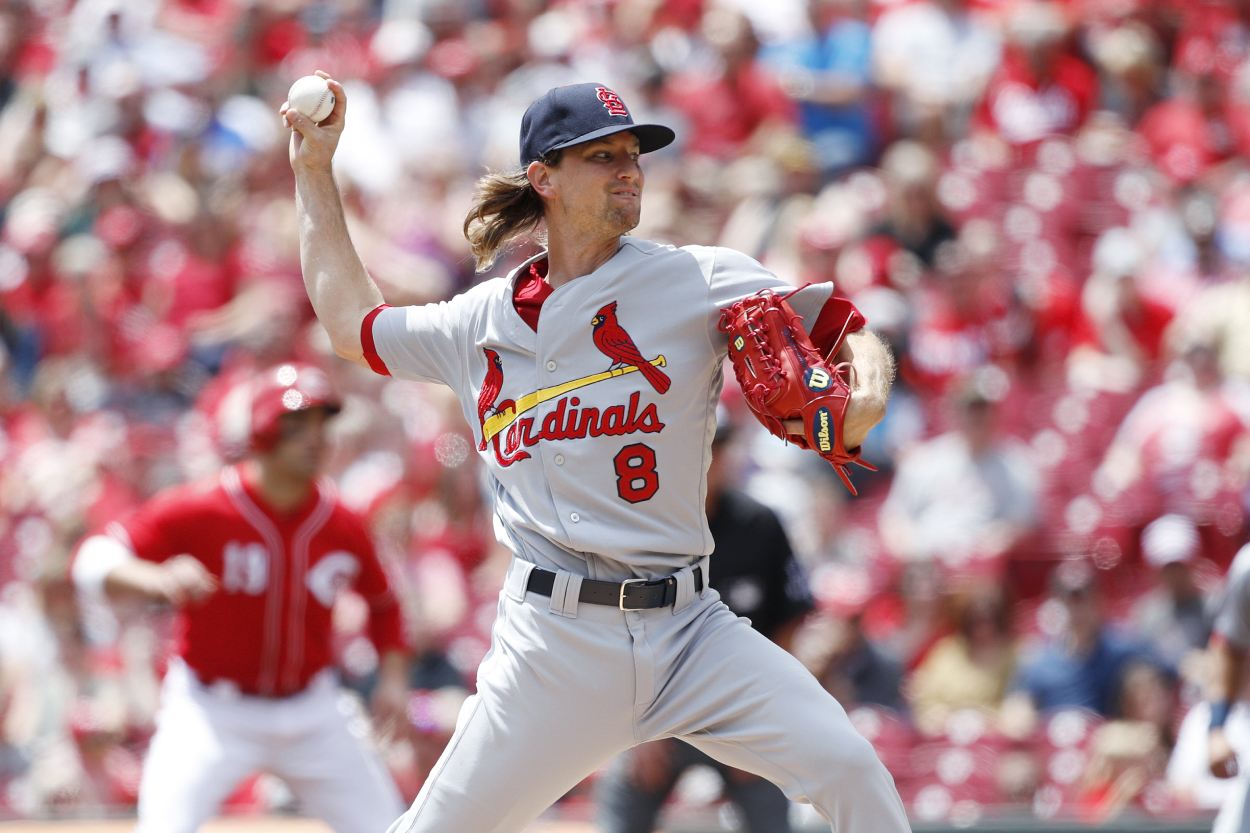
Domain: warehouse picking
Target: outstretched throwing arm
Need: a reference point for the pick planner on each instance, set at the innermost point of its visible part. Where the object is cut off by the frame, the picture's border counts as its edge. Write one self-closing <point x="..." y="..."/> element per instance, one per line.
<point x="341" y="291"/>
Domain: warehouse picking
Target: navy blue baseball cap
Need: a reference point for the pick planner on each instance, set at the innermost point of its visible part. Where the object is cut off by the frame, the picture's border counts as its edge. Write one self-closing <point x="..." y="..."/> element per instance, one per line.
<point x="568" y="116"/>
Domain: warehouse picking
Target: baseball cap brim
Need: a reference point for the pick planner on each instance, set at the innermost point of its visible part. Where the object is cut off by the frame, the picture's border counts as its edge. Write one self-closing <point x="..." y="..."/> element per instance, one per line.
<point x="651" y="137"/>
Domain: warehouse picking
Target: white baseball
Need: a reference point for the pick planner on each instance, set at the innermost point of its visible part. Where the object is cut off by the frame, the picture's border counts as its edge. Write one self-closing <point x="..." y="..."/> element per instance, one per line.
<point x="311" y="96"/>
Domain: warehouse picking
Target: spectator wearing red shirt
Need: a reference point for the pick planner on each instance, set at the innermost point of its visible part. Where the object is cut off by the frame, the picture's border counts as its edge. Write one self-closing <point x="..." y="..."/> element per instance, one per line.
<point x="1118" y="339"/>
<point x="1040" y="89"/>
<point x="1202" y="124"/>
<point x="730" y="104"/>
<point x="1173" y="450"/>
<point x="966" y="317"/>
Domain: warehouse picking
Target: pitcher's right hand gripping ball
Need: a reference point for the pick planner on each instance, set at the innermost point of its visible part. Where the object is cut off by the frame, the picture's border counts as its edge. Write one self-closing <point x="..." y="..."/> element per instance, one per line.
<point x="311" y="96"/>
<point x="784" y="377"/>
<point x="313" y="142"/>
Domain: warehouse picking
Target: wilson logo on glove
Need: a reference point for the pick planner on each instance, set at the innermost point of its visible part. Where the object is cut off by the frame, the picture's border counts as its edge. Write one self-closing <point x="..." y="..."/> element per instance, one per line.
<point x="822" y="430"/>
<point x="817" y="379"/>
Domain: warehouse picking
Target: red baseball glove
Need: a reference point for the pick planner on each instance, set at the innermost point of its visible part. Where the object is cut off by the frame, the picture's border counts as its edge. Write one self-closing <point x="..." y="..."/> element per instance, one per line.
<point x="784" y="377"/>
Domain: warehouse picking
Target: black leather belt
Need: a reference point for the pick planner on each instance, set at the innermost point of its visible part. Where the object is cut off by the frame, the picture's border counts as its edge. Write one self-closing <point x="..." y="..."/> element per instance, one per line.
<point x="631" y="594"/>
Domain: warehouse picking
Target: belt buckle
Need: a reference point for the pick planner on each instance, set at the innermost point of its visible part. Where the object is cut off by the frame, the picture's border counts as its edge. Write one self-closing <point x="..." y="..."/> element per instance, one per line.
<point x="626" y="583"/>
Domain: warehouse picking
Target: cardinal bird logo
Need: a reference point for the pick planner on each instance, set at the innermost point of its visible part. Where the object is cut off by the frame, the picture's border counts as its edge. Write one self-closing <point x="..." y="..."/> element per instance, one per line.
<point x="490" y="389"/>
<point x="612" y="340"/>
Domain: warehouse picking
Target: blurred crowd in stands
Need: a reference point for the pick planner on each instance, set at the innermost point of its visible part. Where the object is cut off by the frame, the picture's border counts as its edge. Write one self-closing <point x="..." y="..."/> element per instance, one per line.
<point x="1043" y="206"/>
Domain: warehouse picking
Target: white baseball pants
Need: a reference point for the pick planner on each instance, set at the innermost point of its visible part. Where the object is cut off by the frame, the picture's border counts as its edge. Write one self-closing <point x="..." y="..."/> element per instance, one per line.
<point x="1234" y="815"/>
<point x="209" y="738"/>
<point x="567" y="686"/>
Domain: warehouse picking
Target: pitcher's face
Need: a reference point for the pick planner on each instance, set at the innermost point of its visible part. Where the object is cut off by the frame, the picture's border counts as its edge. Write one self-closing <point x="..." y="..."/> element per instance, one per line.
<point x="600" y="183"/>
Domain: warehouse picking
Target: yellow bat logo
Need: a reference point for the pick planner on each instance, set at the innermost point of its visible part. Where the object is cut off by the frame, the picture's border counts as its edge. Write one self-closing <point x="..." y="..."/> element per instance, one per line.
<point x="501" y="420"/>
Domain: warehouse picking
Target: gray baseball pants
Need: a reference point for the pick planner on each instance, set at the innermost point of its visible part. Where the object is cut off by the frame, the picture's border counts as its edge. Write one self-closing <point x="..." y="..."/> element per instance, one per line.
<point x="567" y="686"/>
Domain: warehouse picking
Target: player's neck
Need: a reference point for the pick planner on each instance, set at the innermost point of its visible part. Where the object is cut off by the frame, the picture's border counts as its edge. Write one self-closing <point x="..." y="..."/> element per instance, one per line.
<point x="571" y="255"/>
<point x="281" y="490"/>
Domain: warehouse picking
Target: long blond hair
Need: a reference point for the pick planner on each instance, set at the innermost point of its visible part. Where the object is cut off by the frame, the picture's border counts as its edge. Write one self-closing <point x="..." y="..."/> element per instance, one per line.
<point x="506" y="208"/>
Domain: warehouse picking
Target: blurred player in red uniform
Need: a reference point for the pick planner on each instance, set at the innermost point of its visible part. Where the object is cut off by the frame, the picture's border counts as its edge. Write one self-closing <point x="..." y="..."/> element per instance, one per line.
<point x="254" y="558"/>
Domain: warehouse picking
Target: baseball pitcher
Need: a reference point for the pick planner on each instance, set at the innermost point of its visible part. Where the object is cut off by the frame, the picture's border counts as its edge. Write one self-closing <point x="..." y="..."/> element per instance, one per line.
<point x="591" y="374"/>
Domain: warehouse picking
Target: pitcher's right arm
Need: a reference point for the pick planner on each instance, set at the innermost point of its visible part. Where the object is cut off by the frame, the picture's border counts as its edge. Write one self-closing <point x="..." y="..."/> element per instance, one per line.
<point x="341" y="291"/>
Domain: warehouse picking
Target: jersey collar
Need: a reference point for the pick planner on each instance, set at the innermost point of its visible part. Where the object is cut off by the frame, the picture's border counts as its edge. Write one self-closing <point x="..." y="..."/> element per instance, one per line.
<point x="299" y="512"/>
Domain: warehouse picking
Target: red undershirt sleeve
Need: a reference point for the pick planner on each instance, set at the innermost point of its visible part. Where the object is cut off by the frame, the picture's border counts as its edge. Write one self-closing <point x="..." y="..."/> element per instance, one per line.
<point x="837" y="317"/>
<point x="366" y="342"/>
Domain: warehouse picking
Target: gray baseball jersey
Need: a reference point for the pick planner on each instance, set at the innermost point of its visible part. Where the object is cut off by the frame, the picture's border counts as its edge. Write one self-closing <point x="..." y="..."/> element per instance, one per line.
<point x="594" y="458"/>
<point x="1232" y="618"/>
<point x="1232" y="621"/>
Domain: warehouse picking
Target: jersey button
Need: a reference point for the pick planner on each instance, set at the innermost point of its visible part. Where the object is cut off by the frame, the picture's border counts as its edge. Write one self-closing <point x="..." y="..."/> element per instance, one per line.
<point x="575" y="517"/>
<point x="551" y="365"/>
<point x="559" y="459"/>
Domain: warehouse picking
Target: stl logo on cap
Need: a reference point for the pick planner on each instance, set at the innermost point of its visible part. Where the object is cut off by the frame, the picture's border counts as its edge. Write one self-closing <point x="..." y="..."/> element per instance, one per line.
<point x="612" y="102"/>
